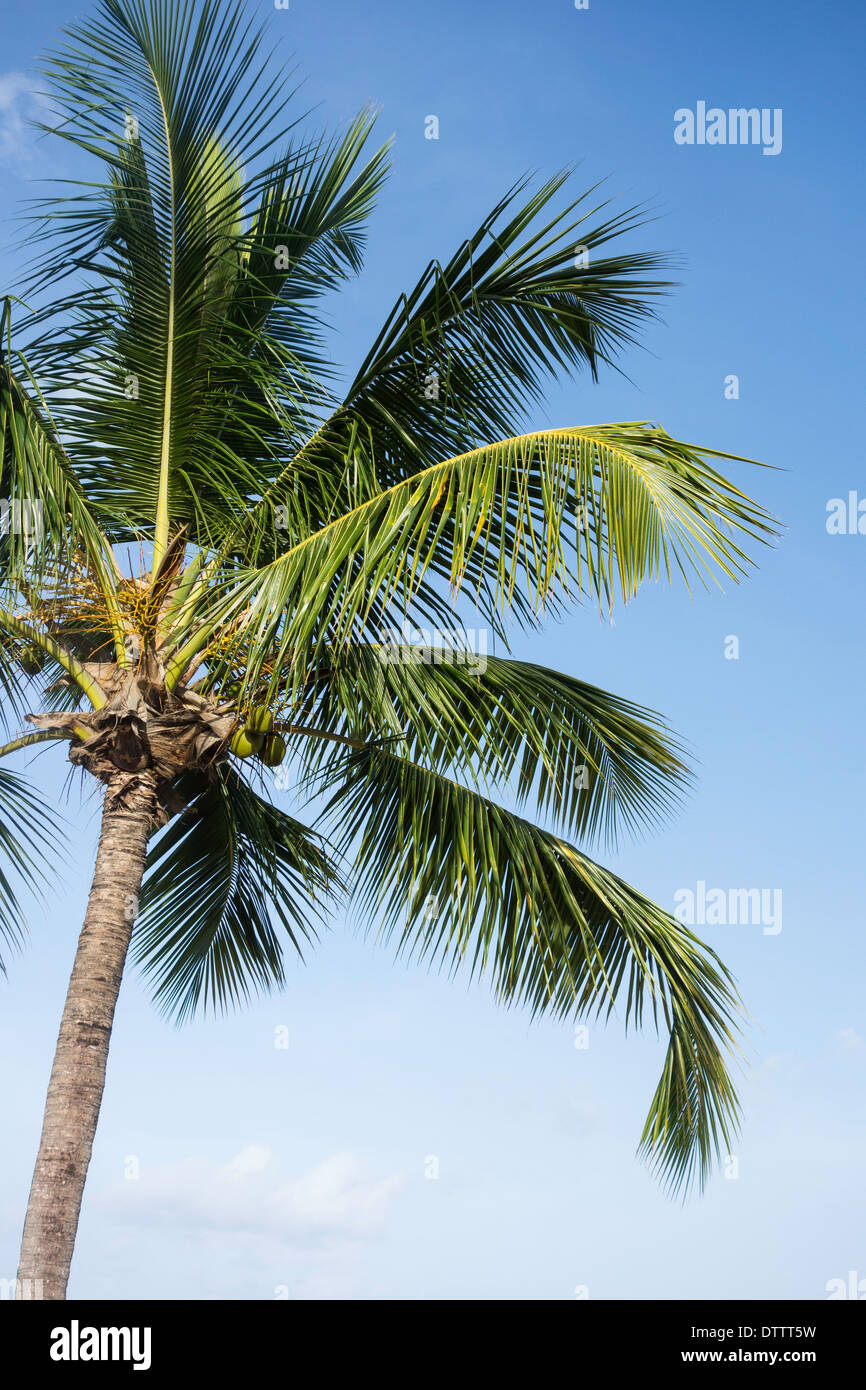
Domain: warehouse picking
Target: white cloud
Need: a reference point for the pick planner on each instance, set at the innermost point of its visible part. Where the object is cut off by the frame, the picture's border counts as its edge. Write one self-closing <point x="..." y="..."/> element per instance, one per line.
<point x="255" y="1158"/>
<point x="776" y="1060"/>
<point x="848" y="1040"/>
<point x="19" y="104"/>
<point x="335" y="1200"/>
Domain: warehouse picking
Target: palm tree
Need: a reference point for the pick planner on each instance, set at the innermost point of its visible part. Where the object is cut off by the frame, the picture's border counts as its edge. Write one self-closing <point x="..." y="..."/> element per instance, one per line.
<point x="208" y="554"/>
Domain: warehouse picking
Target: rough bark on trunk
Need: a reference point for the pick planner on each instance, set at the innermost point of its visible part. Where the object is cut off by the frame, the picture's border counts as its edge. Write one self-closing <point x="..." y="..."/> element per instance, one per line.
<point x="78" y="1074"/>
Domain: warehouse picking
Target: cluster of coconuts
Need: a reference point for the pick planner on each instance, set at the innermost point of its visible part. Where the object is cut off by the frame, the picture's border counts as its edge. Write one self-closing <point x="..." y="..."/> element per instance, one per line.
<point x="257" y="739"/>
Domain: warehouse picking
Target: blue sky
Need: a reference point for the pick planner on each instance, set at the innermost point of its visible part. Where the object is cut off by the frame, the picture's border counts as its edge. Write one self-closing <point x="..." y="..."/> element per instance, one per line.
<point x="301" y="1170"/>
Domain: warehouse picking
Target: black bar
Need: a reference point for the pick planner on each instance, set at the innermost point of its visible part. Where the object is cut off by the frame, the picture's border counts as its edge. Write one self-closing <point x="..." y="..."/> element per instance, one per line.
<point x="228" y="1337"/>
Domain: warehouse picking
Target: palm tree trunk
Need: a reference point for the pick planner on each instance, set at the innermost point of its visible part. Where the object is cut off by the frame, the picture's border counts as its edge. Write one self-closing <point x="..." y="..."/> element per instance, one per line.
<point x="78" y="1074"/>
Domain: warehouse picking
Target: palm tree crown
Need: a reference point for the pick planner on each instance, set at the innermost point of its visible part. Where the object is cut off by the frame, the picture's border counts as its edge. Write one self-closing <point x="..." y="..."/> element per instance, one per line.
<point x="223" y="550"/>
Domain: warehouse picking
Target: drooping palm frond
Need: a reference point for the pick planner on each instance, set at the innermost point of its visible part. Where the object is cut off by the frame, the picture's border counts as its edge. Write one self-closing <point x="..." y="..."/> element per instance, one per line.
<point x="49" y="515"/>
<point x="572" y="511"/>
<point x="50" y="528"/>
<point x="30" y="841"/>
<point x="463" y="879"/>
<point x="594" y="761"/>
<point x="216" y="877"/>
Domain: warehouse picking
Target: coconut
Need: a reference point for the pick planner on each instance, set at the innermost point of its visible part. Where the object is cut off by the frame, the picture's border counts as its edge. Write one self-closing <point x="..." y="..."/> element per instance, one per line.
<point x="273" y="750"/>
<point x="259" y="720"/>
<point x="245" y="744"/>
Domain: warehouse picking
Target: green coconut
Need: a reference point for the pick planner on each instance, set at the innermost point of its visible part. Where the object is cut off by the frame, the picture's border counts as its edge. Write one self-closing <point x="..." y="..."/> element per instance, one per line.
<point x="245" y="744"/>
<point x="259" y="720"/>
<point x="273" y="750"/>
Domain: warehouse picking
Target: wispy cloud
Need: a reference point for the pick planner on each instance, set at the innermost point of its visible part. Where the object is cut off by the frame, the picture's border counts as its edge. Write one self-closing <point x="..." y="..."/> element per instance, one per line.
<point x="19" y="104"/>
<point x="335" y="1199"/>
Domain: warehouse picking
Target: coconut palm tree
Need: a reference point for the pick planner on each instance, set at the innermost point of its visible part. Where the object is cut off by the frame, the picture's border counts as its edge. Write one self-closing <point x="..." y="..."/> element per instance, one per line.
<point x="214" y="563"/>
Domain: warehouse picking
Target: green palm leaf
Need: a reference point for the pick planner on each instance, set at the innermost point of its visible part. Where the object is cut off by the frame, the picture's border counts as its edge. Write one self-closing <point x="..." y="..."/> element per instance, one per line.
<point x="557" y="512"/>
<point x="54" y="514"/>
<point x="592" y="760"/>
<point x="463" y="880"/>
<point x="462" y="356"/>
<point x="30" y="839"/>
<point x="215" y="875"/>
<point x="204" y="249"/>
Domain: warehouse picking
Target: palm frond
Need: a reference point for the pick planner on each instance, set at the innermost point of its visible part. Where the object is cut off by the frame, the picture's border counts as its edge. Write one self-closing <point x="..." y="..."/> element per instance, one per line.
<point x="49" y="516"/>
<point x="594" y="761"/>
<point x="462" y="879"/>
<point x="182" y="362"/>
<point x="30" y="840"/>
<point x="461" y="358"/>
<point x="215" y="878"/>
<point x="583" y="511"/>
